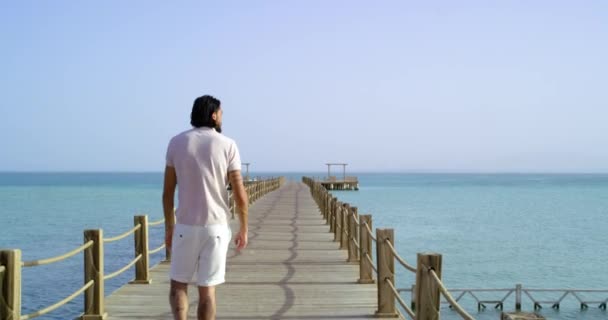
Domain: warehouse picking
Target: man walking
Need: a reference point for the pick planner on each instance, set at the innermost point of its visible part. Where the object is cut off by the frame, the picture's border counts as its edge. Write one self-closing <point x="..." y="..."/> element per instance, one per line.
<point x="202" y="162"/>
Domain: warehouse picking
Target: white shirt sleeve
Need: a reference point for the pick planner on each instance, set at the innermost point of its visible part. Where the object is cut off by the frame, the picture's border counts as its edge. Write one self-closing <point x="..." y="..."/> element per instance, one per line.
<point x="234" y="158"/>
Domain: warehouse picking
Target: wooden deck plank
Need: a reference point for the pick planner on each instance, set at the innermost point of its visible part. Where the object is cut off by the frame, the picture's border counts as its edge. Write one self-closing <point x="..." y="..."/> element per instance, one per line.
<point x="292" y="269"/>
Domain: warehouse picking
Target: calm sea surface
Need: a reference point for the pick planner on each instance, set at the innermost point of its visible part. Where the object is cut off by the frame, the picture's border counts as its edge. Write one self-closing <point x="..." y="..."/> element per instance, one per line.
<point x="494" y="231"/>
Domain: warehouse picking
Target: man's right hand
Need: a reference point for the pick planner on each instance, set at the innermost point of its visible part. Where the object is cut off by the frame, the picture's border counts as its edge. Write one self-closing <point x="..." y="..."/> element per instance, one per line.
<point x="241" y="240"/>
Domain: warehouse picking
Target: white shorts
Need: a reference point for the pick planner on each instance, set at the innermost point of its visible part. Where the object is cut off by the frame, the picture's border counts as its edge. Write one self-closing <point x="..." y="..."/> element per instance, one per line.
<point x="198" y="254"/>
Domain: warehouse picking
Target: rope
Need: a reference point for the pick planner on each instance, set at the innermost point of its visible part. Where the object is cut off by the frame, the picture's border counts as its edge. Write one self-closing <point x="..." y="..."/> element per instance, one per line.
<point x="396" y="255"/>
<point x="431" y="295"/>
<point x="449" y="297"/>
<point x="355" y="220"/>
<point x="58" y="304"/>
<point x="401" y="302"/>
<point x="371" y="262"/>
<point x="58" y="258"/>
<point x="155" y="223"/>
<point x="356" y="243"/>
<point x="157" y="249"/>
<point x="112" y="275"/>
<point x="369" y="231"/>
<point x="124" y="235"/>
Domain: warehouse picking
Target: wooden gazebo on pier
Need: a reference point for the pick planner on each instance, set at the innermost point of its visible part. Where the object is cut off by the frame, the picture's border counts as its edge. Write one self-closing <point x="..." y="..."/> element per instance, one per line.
<point x="345" y="183"/>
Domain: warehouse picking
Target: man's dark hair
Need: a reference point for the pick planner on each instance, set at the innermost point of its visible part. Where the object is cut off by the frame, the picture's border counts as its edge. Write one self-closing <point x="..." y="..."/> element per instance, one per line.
<point x="202" y="112"/>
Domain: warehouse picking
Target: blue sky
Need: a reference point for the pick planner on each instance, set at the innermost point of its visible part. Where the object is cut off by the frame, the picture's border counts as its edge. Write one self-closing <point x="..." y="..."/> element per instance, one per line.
<point x="481" y="86"/>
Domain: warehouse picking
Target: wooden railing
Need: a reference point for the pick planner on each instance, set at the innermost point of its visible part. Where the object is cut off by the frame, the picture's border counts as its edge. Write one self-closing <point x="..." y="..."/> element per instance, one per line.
<point x="11" y="263"/>
<point x="355" y="234"/>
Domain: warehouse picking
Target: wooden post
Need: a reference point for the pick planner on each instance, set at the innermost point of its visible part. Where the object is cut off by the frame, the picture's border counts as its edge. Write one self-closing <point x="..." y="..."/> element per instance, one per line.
<point x="142" y="274"/>
<point x="344" y="226"/>
<point x="413" y="297"/>
<point x="365" y="248"/>
<point x="327" y="208"/>
<point x="94" y="305"/>
<point x="332" y="215"/>
<point x="386" y="273"/>
<point x="10" y="289"/>
<point x="250" y="193"/>
<point x="338" y="222"/>
<point x="427" y="292"/>
<point x="518" y="297"/>
<point x="353" y="253"/>
<point x="323" y="201"/>
<point x="323" y="204"/>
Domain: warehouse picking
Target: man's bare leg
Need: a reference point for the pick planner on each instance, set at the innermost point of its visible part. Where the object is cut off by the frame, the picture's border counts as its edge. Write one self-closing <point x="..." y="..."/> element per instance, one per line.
<point x="206" y="303"/>
<point x="178" y="297"/>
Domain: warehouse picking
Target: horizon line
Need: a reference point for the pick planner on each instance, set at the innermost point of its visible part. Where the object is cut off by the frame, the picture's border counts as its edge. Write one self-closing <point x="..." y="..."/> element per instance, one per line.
<point x="317" y="172"/>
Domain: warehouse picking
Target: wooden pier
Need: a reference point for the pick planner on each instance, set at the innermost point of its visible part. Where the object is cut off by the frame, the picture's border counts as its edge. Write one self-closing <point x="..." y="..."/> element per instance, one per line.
<point x="292" y="269"/>
<point x="310" y="256"/>
<point x="345" y="183"/>
<point x="349" y="183"/>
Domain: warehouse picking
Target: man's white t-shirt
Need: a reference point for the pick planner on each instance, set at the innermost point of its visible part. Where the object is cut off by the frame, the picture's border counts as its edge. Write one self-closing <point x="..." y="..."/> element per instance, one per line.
<point x="202" y="158"/>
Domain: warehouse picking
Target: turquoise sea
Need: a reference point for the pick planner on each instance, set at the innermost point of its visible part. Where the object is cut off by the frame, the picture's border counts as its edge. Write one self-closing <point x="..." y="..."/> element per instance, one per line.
<point x="493" y="230"/>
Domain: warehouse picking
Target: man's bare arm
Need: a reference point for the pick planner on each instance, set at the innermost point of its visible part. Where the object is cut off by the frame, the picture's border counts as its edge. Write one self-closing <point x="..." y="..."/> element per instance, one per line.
<point x="169" y="187"/>
<point x="242" y="203"/>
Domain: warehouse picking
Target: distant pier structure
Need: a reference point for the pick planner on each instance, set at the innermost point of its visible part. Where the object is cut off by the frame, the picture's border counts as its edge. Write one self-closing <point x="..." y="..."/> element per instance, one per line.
<point x="345" y="183"/>
<point x="246" y="164"/>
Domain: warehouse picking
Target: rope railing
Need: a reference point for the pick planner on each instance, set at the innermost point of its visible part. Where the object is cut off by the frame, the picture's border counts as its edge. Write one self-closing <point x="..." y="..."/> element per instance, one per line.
<point x="427" y="297"/>
<point x="481" y="303"/>
<point x="370" y="233"/>
<point x="58" y="304"/>
<point x="399" y="259"/>
<point x="371" y="262"/>
<point x="507" y="292"/>
<point x="157" y="249"/>
<point x="57" y="258"/>
<point x="156" y="223"/>
<point x="125" y="268"/>
<point x="122" y="236"/>
<point x="555" y="304"/>
<point x="407" y="309"/>
<point x="11" y="263"/>
<point x="446" y="294"/>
